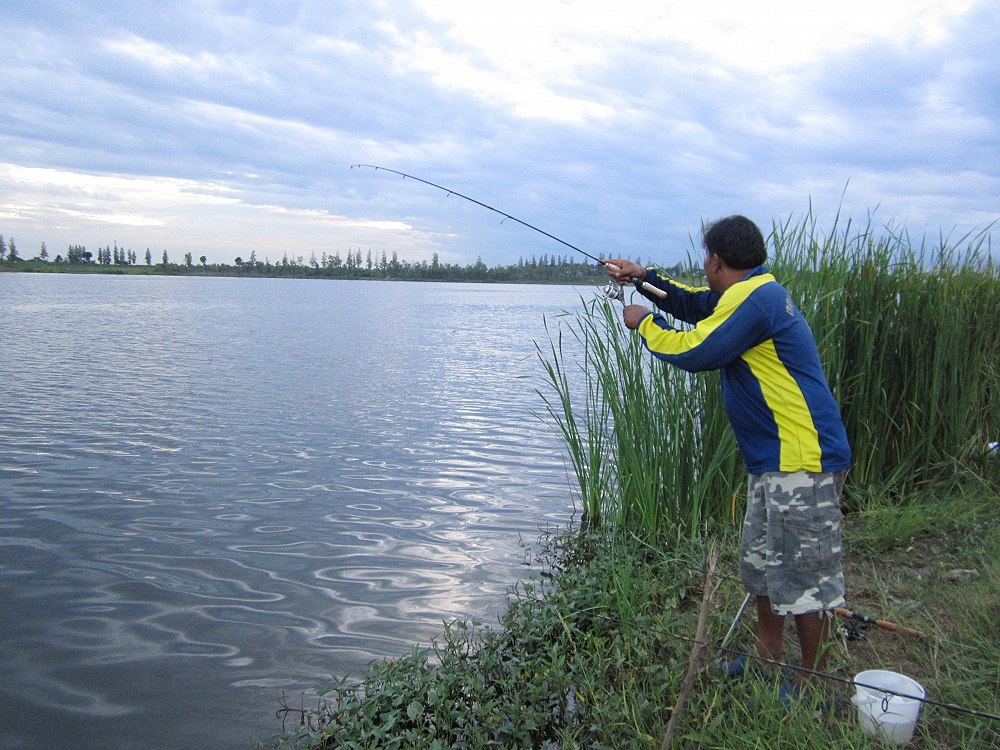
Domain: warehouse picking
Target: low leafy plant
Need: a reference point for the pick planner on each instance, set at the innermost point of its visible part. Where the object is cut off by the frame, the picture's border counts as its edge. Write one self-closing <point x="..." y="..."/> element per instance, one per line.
<point x="580" y="658"/>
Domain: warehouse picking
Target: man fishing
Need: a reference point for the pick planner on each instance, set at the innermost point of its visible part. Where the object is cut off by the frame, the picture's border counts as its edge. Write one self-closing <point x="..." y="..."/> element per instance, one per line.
<point x="787" y="424"/>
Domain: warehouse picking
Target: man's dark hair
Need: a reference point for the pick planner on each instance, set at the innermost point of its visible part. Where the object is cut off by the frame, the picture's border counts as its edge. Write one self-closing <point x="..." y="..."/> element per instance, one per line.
<point x="736" y="240"/>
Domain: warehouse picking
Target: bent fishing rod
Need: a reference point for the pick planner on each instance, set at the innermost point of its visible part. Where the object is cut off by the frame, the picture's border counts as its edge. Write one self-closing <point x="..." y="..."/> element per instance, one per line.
<point x="645" y="285"/>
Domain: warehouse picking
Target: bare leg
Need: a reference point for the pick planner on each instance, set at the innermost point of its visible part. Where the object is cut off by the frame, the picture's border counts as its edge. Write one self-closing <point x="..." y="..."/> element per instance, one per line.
<point x="769" y="629"/>
<point x="813" y="629"/>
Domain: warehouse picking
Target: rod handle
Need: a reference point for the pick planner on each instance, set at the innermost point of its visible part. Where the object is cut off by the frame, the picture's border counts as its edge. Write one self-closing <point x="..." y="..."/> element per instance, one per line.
<point x="645" y="284"/>
<point x="884" y="624"/>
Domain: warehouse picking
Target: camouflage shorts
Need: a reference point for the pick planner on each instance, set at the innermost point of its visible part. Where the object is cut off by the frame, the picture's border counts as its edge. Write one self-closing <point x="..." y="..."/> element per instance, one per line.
<point x="791" y="550"/>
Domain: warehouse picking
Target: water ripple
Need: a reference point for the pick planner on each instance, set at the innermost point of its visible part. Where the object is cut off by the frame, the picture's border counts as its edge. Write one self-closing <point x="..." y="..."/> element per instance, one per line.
<point x="219" y="489"/>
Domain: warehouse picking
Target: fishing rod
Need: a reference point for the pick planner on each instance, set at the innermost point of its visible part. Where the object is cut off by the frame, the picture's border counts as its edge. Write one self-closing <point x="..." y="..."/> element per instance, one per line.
<point x="836" y="678"/>
<point x="848" y="614"/>
<point x="639" y="284"/>
<point x="884" y="624"/>
<point x="815" y="672"/>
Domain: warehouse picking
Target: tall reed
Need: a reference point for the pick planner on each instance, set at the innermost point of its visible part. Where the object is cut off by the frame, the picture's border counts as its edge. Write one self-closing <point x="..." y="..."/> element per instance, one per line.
<point x="632" y="427"/>
<point x="910" y="340"/>
<point x="911" y="346"/>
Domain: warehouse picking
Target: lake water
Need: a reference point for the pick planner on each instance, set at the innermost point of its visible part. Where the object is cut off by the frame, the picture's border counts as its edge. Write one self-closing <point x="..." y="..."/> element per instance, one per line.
<point x="217" y="491"/>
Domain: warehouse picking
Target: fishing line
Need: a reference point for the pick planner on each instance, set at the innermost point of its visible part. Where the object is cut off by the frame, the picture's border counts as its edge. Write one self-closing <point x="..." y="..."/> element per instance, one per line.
<point x="817" y="673"/>
<point x="844" y="680"/>
<point x="720" y="649"/>
<point x="639" y="283"/>
<point x="849" y="614"/>
<point x="506" y="215"/>
<point x="813" y="672"/>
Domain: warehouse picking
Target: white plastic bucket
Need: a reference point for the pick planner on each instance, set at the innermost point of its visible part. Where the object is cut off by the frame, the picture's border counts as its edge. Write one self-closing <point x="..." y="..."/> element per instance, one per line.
<point x="885" y="712"/>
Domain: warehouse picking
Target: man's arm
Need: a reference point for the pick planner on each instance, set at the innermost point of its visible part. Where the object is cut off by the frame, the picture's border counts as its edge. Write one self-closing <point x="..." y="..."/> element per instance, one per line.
<point x="735" y="325"/>
<point x="684" y="302"/>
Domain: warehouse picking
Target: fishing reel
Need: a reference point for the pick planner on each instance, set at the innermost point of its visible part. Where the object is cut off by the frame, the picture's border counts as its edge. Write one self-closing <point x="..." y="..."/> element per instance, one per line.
<point x="853" y="632"/>
<point x="613" y="291"/>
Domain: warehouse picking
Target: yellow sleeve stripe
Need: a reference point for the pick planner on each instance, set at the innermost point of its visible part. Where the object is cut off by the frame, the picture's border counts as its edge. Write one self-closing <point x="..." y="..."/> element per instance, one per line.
<point x="737" y="294"/>
<point x="682" y="286"/>
<point x="670" y="341"/>
<point x="797" y="435"/>
<point x="661" y="341"/>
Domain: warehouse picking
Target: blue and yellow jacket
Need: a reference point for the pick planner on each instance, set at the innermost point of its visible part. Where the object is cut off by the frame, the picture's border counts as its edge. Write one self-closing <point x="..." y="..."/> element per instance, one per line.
<point x="773" y="386"/>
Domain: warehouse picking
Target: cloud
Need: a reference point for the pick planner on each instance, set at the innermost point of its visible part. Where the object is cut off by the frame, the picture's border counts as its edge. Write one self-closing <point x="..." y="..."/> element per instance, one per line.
<point x="212" y="128"/>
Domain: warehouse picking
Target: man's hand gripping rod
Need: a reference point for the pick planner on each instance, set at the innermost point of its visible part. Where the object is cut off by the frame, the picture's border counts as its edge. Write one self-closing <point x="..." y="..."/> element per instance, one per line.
<point x="638" y="284"/>
<point x="643" y="285"/>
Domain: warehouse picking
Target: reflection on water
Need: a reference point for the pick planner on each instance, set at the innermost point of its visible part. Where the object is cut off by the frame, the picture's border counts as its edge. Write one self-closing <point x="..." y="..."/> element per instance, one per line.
<point x="214" y="491"/>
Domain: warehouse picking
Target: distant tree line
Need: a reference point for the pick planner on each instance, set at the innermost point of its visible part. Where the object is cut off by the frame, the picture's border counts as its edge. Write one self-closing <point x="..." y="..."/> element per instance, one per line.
<point x="352" y="264"/>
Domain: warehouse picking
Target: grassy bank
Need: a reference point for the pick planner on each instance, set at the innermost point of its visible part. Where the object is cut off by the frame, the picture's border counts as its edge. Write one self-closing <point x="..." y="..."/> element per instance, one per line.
<point x="591" y="651"/>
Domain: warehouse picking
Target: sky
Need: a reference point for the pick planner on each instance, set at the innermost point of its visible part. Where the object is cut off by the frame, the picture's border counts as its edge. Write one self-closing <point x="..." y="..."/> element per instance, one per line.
<point x="221" y="128"/>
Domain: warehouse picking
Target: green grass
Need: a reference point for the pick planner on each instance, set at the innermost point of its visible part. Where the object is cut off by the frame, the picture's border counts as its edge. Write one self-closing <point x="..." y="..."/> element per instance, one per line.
<point x="590" y="652"/>
<point x="916" y="578"/>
